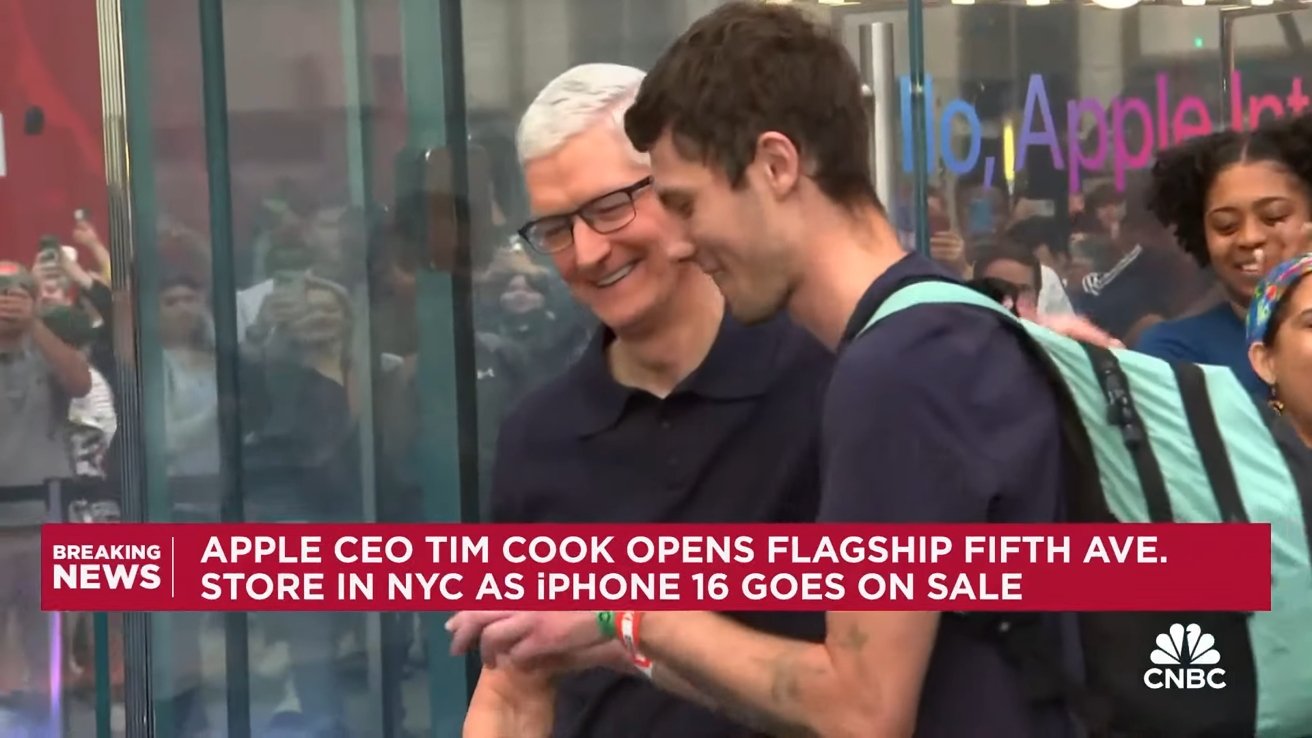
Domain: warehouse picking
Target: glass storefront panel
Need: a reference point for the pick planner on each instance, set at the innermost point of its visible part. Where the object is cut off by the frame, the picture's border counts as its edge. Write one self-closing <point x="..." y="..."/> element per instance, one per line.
<point x="1042" y="121"/>
<point x="328" y="313"/>
<point x="283" y="268"/>
<point x="61" y="674"/>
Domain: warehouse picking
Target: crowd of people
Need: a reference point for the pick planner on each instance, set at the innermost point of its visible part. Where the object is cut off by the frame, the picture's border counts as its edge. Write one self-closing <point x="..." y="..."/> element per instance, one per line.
<point x="325" y="316"/>
<point x="681" y="321"/>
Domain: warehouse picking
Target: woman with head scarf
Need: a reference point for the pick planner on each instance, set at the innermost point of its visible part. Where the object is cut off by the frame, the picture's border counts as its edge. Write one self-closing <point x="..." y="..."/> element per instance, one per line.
<point x="1280" y="341"/>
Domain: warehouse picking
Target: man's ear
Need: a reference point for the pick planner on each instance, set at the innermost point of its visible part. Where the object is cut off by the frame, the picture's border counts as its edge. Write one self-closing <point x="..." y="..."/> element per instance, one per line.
<point x="1259" y="355"/>
<point x="778" y="162"/>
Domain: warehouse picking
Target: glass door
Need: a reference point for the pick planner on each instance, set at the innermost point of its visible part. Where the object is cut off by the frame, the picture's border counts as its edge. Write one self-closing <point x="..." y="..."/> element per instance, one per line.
<point x="880" y="42"/>
<point x="1040" y="121"/>
<point x="300" y="218"/>
<point x="1264" y="62"/>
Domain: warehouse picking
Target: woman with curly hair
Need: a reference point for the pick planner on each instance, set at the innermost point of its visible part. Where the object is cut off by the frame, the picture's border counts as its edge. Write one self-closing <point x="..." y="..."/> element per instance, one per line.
<point x="1239" y="203"/>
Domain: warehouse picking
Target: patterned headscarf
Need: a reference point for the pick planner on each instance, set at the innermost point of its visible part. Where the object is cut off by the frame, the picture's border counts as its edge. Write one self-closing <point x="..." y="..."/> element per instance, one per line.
<point x="1270" y="291"/>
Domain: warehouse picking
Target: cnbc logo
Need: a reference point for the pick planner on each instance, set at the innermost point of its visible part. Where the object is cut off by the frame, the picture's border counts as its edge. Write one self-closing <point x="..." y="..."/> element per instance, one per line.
<point x="1185" y="658"/>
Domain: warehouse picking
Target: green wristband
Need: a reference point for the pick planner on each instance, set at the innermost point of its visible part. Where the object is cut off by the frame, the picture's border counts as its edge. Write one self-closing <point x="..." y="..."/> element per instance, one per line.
<point x="606" y="624"/>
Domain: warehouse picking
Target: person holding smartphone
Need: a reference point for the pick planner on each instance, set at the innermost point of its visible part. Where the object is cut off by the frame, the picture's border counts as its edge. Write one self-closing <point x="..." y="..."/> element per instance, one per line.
<point x="39" y="376"/>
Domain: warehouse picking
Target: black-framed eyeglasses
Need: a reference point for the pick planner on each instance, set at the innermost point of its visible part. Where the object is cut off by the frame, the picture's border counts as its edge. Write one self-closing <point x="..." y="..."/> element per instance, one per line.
<point x="605" y="214"/>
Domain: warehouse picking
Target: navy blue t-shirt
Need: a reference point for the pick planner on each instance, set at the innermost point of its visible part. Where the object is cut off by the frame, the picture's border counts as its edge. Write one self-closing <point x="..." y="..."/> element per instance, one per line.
<point x="940" y="414"/>
<point x="1215" y="337"/>
<point x="1145" y="282"/>
<point x="735" y="442"/>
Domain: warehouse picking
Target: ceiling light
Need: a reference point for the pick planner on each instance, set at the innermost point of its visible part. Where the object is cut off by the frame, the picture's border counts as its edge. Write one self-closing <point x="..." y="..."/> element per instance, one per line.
<point x="1116" y="4"/>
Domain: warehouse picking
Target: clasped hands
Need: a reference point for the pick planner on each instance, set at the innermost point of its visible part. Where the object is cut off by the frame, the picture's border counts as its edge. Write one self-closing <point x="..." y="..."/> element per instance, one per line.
<point x="555" y="641"/>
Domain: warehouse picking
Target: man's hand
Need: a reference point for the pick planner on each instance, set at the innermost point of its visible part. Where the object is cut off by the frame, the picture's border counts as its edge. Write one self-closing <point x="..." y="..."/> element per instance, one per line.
<point x="278" y="310"/>
<point x="524" y="638"/>
<point x="74" y="271"/>
<point x="948" y="249"/>
<point x="84" y="234"/>
<point x="48" y="271"/>
<point x="1079" y="328"/>
<point x="17" y="309"/>
<point x="510" y="704"/>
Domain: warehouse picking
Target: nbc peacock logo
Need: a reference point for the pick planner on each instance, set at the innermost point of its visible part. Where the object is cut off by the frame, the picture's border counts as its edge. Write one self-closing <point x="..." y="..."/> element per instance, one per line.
<point x="1182" y="657"/>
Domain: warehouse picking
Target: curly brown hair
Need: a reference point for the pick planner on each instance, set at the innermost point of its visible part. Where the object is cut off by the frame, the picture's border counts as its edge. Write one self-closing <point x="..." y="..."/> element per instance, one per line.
<point x="1183" y="174"/>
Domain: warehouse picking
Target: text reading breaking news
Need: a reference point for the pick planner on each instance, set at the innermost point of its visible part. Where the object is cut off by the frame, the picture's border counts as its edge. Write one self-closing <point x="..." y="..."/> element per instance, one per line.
<point x="374" y="567"/>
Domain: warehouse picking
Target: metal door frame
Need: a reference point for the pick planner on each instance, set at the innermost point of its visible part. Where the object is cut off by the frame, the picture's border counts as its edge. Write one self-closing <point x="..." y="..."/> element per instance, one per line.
<point x="1227" y="19"/>
<point x="877" y="45"/>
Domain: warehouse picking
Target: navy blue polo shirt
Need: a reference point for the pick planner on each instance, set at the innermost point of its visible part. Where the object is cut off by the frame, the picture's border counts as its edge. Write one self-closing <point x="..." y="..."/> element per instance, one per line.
<point x="736" y="441"/>
<point x="939" y="414"/>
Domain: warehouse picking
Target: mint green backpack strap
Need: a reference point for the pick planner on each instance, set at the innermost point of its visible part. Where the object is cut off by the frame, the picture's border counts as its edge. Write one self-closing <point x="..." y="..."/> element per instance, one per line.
<point x="931" y="292"/>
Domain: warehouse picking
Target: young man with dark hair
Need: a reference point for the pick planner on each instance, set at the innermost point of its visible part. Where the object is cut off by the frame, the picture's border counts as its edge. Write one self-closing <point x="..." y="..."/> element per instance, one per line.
<point x="758" y="139"/>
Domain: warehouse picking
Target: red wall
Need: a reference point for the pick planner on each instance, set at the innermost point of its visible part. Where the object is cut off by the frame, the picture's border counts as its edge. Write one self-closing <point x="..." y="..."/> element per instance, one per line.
<point x="49" y="58"/>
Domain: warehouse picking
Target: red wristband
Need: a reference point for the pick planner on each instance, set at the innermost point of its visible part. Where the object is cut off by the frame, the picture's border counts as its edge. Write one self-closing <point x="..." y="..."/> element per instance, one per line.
<point x="629" y="627"/>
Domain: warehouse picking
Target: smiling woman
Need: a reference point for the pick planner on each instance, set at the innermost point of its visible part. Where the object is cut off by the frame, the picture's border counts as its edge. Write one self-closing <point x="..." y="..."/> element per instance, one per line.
<point x="1239" y="203"/>
<point x="1280" y="338"/>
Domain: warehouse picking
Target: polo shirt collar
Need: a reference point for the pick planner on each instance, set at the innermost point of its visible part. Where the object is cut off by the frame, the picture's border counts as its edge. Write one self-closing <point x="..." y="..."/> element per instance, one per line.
<point x="910" y="268"/>
<point x="740" y="365"/>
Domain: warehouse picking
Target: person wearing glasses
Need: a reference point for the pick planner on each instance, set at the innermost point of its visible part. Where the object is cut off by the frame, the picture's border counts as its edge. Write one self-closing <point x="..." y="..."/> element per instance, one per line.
<point x="674" y="412"/>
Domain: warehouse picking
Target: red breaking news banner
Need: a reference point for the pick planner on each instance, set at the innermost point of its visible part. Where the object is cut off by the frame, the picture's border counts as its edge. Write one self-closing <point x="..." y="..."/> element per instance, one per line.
<point x="253" y="567"/>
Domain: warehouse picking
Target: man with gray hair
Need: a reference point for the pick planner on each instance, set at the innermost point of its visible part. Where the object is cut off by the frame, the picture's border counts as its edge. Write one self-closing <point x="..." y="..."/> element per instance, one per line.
<point x="674" y="413"/>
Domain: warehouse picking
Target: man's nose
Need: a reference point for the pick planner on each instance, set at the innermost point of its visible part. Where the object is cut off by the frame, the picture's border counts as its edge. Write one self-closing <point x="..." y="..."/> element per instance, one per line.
<point x="680" y="249"/>
<point x="590" y="248"/>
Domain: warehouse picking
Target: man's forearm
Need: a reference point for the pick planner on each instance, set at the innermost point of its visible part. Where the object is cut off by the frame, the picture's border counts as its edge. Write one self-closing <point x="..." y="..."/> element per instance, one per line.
<point x="772" y="684"/>
<point x="665" y="677"/>
<point x="67" y="364"/>
<point x="613" y="656"/>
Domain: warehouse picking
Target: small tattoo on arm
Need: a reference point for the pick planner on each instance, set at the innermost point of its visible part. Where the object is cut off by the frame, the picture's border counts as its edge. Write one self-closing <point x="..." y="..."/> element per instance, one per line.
<point x="853" y="639"/>
<point x="756" y="718"/>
